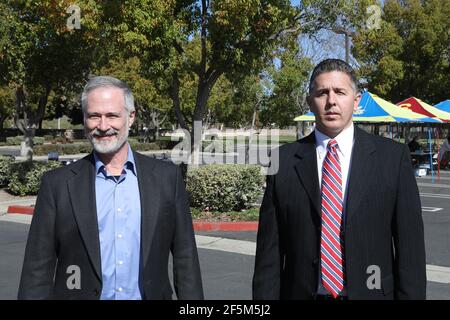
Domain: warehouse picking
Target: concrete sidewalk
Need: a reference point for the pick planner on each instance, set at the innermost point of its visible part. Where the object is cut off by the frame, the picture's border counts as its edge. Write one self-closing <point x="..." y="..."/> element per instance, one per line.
<point x="7" y="200"/>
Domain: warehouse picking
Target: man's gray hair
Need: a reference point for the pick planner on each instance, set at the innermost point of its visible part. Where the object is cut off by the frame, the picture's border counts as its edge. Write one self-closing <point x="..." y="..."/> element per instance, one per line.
<point x="107" y="81"/>
<point x="330" y="65"/>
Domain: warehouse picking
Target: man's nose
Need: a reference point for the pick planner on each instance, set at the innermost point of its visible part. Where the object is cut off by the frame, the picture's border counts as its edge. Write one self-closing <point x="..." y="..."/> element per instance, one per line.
<point x="331" y="98"/>
<point x="103" y="124"/>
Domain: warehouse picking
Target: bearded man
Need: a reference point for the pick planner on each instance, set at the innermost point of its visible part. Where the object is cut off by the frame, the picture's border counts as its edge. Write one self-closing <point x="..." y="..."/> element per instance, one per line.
<point x="103" y="227"/>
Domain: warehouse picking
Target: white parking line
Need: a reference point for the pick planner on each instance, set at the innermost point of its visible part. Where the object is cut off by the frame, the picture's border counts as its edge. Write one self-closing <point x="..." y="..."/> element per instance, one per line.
<point x="435" y="178"/>
<point x="434" y="185"/>
<point x="438" y="274"/>
<point x="431" y="209"/>
<point x="18" y="218"/>
<point x="434" y="273"/>
<point x="227" y="245"/>
<point x="435" y="195"/>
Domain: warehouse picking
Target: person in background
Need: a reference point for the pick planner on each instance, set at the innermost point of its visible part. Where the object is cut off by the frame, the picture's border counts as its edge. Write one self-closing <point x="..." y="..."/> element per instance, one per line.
<point x="413" y="145"/>
<point x="443" y="153"/>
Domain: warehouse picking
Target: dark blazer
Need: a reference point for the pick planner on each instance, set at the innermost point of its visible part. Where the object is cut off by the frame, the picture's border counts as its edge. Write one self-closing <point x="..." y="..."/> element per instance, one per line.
<point x="383" y="225"/>
<point x="64" y="232"/>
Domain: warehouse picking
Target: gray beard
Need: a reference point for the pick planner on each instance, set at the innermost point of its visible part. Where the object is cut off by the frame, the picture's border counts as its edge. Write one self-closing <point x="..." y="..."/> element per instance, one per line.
<point x="108" y="147"/>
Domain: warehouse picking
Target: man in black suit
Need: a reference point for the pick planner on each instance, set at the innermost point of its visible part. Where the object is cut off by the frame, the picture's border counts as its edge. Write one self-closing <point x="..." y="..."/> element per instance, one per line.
<point x="341" y="219"/>
<point x="104" y="226"/>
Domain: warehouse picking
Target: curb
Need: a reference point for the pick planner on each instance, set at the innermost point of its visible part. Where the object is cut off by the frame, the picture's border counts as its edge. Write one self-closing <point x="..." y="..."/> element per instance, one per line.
<point x="198" y="224"/>
<point x="225" y="226"/>
<point x="20" y="210"/>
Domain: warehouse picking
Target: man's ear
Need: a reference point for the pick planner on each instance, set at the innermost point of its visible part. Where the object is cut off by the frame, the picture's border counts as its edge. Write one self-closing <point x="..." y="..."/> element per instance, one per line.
<point x="132" y="117"/>
<point x="357" y="100"/>
<point x="310" y="103"/>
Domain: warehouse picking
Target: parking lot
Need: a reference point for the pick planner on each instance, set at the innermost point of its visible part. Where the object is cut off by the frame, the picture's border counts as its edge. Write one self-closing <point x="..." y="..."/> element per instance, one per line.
<point x="227" y="257"/>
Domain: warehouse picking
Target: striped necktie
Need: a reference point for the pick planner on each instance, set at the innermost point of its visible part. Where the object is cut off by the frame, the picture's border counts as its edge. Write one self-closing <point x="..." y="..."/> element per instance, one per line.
<point x="331" y="243"/>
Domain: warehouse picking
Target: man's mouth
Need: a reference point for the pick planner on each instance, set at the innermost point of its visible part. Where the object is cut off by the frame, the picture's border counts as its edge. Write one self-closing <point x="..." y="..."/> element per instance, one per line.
<point x="332" y="114"/>
<point x="104" y="137"/>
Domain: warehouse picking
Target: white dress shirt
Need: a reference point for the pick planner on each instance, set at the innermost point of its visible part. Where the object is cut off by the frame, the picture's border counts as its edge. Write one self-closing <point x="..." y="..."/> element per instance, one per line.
<point x="345" y="142"/>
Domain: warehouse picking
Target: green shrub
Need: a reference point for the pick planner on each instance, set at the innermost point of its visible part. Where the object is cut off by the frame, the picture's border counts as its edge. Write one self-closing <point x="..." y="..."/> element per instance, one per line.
<point x="16" y="141"/>
<point x="70" y="148"/>
<point x="149" y="146"/>
<point x="251" y="214"/>
<point x="5" y="169"/>
<point x="224" y="187"/>
<point x="59" y="139"/>
<point x="25" y="177"/>
<point x="85" y="147"/>
<point x="48" y="138"/>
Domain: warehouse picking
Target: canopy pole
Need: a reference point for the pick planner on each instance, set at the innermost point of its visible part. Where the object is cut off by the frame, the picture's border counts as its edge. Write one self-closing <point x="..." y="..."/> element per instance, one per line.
<point x="438" y="149"/>
<point x="431" y="154"/>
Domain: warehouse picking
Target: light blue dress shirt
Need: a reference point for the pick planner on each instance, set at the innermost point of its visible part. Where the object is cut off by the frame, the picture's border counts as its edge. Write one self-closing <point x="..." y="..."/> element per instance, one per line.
<point x="119" y="222"/>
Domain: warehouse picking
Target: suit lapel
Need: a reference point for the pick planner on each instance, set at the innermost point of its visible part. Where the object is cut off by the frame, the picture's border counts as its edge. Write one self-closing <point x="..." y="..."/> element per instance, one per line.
<point x="82" y="196"/>
<point x="306" y="168"/>
<point x="360" y="172"/>
<point x="150" y="203"/>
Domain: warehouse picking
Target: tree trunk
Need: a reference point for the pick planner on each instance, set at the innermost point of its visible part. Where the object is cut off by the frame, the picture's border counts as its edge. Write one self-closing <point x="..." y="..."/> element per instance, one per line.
<point x="175" y="96"/>
<point x="2" y="122"/>
<point x="26" y="149"/>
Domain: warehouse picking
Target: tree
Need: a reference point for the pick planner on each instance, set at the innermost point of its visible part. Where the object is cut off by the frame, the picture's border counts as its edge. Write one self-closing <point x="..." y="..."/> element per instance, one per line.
<point x="233" y="103"/>
<point x="152" y="107"/>
<point x="232" y="38"/>
<point x="288" y="89"/>
<point x="40" y="54"/>
<point x="6" y="105"/>
<point x="410" y="55"/>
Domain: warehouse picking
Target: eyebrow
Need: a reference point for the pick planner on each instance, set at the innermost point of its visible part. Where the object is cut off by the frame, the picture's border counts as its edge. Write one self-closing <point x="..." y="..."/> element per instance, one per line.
<point x="333" y="88"/>
<point x="107" y="114"/>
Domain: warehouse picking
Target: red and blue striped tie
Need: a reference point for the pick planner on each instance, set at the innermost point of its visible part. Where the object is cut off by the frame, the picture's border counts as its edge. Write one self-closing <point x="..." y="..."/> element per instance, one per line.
<point x="331" y="244"/>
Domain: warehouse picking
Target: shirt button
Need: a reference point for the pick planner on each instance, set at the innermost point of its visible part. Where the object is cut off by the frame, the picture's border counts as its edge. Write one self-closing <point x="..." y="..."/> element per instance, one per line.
<point x="119" y="236"/>
<point x="119" y="210"/>
<point x="120" y="289"/>
<point x="120" y="262"/>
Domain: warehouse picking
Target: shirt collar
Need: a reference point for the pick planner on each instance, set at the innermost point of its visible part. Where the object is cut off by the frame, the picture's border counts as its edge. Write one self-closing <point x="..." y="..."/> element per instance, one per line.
<point x="129" y="164"/>
<point x="343" y="139"/>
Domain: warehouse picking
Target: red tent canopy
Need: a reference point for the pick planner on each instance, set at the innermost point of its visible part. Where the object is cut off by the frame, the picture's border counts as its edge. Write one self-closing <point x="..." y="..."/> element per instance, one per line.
<point x="421" y="107"/>
<point x="414" y="105"/>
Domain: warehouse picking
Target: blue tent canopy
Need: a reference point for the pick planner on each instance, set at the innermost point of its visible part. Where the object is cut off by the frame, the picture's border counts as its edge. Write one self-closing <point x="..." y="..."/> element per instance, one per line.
<point x="444" y="105"/>
<point x="374" y="109"/>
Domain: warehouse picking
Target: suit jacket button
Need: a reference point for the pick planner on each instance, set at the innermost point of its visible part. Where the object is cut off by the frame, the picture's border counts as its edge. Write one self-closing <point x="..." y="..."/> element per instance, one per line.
<point x="96" y="292"/>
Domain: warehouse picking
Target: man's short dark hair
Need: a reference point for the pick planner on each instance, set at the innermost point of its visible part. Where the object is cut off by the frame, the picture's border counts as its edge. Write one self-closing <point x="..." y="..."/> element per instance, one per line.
<point x="330" y="65"/>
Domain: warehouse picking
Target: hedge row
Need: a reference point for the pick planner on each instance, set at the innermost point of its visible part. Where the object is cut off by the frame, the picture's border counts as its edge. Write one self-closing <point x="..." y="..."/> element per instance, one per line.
<point x="16" y="141"/>
<point x="5" y="169"/>
<point x="85" y="147"/>
<point x="23" y="178"/>
<point x="214" y="188"/>
<point x="224" y="187"/>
